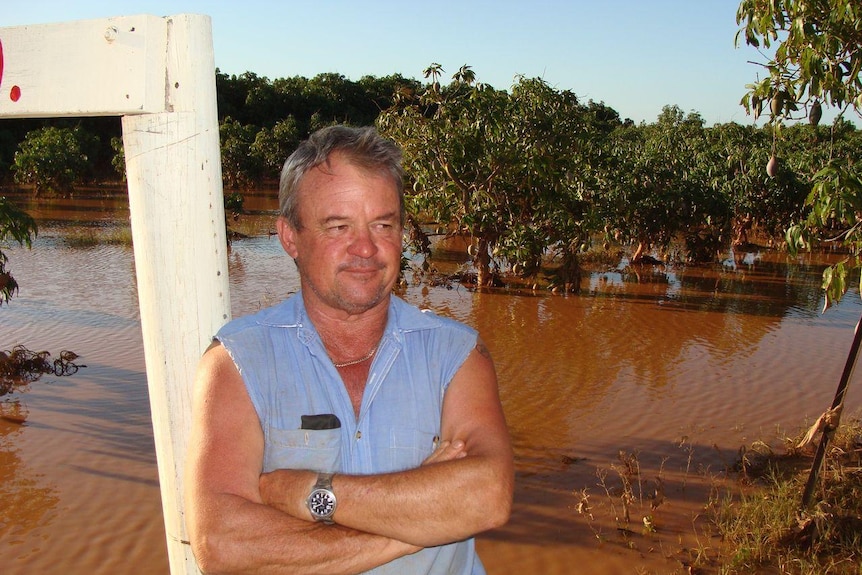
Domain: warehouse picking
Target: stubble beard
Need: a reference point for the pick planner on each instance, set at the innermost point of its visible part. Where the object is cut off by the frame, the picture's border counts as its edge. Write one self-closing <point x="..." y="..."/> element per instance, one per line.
<point x="344" y="297"/>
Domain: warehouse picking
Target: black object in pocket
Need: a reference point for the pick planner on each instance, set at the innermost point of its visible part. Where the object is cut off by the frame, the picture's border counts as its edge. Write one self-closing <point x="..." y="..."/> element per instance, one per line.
<point x="321" y="421"/>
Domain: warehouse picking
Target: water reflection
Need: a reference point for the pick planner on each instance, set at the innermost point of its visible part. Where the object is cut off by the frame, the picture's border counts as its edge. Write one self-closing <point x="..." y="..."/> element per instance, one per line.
<point x="27" y="500"/>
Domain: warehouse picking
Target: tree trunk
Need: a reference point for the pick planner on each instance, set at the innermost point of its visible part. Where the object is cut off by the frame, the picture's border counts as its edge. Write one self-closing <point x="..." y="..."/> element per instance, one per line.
<point x="638" y="254"/>
<point x="482" y="261"/>
<point x="571" y="272"/>
<point x="741" y="227"/>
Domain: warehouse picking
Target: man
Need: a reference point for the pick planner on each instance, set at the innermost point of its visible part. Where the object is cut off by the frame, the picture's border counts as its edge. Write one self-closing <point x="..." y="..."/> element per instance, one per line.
<point x="342" y="430"/>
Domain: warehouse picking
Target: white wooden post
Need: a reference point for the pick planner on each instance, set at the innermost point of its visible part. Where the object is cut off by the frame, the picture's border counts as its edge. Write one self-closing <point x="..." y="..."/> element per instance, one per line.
<point x="159" y="75"/>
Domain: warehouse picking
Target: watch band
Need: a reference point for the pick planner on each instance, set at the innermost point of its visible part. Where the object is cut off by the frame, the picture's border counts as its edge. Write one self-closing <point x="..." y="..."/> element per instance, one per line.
<point x="324" y="481"/>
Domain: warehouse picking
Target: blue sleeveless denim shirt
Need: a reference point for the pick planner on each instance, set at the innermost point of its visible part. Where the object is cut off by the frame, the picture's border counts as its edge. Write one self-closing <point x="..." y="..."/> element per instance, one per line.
<point x="288" y="375"/>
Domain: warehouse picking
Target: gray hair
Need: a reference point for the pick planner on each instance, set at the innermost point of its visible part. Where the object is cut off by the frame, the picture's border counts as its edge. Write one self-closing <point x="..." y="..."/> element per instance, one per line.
<point x="363" y="147"/>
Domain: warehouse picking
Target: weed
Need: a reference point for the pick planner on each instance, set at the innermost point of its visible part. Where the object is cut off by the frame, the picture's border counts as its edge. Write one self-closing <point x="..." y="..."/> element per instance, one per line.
<point x="752" y="520"/>
<point x="92" y="236"/>
<point x="767" y="528"/>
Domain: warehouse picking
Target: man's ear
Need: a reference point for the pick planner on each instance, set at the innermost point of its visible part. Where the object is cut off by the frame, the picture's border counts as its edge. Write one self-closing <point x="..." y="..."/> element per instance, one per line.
<point x="287" y="236"/>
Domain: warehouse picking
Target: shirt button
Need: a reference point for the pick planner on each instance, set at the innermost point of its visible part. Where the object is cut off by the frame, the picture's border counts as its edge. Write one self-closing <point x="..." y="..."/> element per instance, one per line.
<point x="358" y="435"/>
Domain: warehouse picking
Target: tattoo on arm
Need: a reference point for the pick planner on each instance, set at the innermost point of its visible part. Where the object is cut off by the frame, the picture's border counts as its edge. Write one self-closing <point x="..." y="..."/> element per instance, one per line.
<point x="480" y="347"/>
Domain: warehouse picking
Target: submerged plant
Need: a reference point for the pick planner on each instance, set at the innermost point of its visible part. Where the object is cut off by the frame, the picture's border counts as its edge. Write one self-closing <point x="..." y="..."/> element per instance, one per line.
<point x="25" y="365"/>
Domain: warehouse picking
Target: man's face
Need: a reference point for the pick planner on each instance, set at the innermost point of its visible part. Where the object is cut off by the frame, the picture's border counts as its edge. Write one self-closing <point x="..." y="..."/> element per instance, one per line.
<point x="349" y="248"/>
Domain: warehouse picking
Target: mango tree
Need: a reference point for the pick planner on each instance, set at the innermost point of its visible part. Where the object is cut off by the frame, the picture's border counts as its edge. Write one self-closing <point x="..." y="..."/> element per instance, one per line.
<point x="241" y="167"/>
<point x="273" y="145"/>
<point x="550" y="184"/>
<point x="494" y="166"/>
<point x="54" y="159"/>
<point x="815" y="62"/>
<point x="752" y="199"/>
<point x="651" y="190"/>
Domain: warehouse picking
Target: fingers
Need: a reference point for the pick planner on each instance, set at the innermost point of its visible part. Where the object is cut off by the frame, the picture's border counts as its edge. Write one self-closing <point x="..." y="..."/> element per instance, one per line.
<point x="447" y="451"/>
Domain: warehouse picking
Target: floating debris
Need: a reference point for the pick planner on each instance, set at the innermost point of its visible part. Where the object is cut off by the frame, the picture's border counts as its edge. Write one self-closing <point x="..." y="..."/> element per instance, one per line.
<point x="21" y="366"/>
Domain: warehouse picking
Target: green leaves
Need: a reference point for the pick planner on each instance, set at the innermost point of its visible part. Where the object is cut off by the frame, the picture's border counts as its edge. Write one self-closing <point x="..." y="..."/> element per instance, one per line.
<point x="53" y="159"/>
<point x="796" y="238"/>
<point x="17" y="225"/>
<point x="241" y="168"/>
<point x="819" y="50"/>
<point x="817" y="61"/>
<point x="834" y="283"/>
<point x="501" y="167"/>
<point x="835" y="205"/>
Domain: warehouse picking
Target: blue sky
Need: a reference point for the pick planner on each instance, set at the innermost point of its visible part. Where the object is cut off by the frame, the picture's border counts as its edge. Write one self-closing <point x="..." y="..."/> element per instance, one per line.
<point x="634" y="55"/>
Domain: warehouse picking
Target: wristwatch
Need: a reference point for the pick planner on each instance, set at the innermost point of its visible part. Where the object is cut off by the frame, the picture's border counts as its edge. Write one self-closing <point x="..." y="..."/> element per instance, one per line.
<point x="321" y="501"/>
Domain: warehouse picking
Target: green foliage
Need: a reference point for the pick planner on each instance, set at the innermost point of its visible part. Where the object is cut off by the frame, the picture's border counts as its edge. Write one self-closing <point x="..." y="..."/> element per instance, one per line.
<point x="233" y="205"/>
<point x="531" y="175"/>
<point x="53" y="159"/>
<point x="241" y="168"/>
<point x="118" y="160"/>
<point x="273" y="145"/>
<point x="816" y="60"/>
<point x="322" y="100"/>
<point x="262" y="121"/>
<point x="654" y="184"/>
<point x="817" y="55"/>
<point x="502" y="168"/>
<point x="18" y="226"/>
<point x="835" y="208"/>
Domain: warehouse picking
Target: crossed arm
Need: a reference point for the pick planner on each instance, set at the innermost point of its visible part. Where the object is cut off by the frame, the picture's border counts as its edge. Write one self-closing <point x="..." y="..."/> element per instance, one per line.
<point x="242" y="522"/>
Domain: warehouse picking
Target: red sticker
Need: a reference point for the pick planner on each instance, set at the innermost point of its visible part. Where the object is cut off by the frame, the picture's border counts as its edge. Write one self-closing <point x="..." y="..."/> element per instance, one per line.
<point x="15" y="92"/>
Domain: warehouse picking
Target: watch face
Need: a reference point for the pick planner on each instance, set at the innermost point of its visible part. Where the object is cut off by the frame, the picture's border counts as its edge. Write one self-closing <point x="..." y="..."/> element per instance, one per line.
<point x="321" y="502"/>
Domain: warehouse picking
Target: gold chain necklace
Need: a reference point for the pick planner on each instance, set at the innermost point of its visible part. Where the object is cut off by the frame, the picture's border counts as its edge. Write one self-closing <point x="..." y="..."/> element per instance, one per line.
<point x="365" y="357"/>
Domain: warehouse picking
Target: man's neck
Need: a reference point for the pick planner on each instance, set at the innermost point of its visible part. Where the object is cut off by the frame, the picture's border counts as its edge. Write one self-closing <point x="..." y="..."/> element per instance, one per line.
<point x="347" y="336"/>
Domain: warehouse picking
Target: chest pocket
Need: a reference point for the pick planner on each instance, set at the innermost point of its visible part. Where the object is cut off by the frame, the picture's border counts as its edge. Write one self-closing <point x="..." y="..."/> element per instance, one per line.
<point x="313" y="449"/>
<point x="408" y="448"/>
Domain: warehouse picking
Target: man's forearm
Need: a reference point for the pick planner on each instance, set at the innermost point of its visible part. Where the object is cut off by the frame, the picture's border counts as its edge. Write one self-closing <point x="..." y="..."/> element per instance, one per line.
<point x="430" y="505"/>
<point x="255" y="538"/>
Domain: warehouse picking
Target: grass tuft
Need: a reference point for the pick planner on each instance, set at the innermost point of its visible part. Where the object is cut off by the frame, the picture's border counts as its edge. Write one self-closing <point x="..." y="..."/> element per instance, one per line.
<point x="752" y="521"/>
<point x="767" y="529"/>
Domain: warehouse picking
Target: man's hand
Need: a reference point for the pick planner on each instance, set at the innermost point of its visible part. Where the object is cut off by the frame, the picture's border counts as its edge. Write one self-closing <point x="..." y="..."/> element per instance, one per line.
<point x="447" y="451"/>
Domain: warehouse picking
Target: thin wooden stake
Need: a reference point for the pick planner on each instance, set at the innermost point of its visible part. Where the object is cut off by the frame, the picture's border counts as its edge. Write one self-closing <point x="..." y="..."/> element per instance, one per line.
<point x="830" y="428"/>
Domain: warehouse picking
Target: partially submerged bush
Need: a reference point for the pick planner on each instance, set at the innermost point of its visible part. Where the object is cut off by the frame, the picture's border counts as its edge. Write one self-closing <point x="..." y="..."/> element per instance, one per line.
<point x="21" y="366"/>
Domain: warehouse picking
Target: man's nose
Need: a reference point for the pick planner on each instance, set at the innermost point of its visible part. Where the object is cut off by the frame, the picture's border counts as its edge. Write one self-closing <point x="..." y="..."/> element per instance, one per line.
<point x="363" y="244"/>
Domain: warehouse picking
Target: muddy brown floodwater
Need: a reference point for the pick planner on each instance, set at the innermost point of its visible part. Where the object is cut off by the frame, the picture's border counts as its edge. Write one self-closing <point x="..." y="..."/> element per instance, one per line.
<point x="676" y="368"/>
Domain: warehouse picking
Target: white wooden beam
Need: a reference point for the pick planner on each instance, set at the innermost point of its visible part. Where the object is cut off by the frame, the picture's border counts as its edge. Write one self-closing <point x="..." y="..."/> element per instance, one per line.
<point x="107" y="67"/>
<point x="176" y="200"/>
<point x="159" y="75"/>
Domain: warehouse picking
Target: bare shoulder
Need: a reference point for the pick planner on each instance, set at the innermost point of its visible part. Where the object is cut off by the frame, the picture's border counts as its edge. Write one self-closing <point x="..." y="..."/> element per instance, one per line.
<point x="226" y="443"/>
<point x="472" y="410"/>
<point x="215" y="361"/>
<point x="219" y="387"/>
<point x="213" y="344"/>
